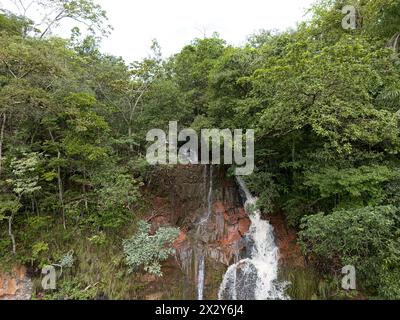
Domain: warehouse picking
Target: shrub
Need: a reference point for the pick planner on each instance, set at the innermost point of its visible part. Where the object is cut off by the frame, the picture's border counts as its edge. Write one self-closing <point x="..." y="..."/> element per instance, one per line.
<point x="364" y="238"/>
<point x="148" y="250"/>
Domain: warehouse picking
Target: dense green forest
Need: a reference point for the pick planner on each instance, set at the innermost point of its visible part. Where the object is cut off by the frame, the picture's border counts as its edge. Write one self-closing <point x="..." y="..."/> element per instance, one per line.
<point x="324" y="102"/>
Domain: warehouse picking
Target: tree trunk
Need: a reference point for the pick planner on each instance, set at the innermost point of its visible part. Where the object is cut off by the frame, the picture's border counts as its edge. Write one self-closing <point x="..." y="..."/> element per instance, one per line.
<point x="84" y="190"/>
<point x="394" y="42"/>
<point x="60" y="191"/>
<point x="130" y="138"/>
<point x="59" y="182"/>
<point x="3" y="125"/>
<point x="10" y="233"/>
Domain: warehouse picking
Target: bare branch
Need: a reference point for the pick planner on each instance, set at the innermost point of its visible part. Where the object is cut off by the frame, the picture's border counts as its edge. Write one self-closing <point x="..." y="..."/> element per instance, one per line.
<point x="3" y="125"/>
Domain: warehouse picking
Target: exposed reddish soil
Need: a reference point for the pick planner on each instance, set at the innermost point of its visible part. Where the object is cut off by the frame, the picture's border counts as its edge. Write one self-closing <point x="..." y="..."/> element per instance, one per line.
<point x="286" y="238"/>
<point x="15" y="285"/>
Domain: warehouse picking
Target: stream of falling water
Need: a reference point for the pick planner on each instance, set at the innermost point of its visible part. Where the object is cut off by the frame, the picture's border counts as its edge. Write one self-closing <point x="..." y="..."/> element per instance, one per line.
<point x="203" y="223"/>
<point x="200" y="281"/>
<point x="254" y="278"/>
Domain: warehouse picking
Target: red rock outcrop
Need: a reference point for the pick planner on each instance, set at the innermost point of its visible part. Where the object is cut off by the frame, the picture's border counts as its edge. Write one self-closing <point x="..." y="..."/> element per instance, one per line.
<point x="180" y="198"/>
<point x="227" y="227"/>
<point x="15" y="285"/>
<point x="286" y="239"/>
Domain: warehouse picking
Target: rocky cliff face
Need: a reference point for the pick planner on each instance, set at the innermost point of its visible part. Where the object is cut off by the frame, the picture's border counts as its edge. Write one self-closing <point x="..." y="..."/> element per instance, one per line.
<point x="182" y="198"/>
<point x="286" y="239"/>
<point x="15" y="285"/>
<point x="206" y="206"/>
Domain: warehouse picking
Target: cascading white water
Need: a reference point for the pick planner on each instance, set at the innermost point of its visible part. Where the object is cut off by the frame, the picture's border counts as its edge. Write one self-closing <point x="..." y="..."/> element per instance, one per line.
<point x="201" y="275"/>
<point x="201" y="225"/>
<point x="254" y="278"/>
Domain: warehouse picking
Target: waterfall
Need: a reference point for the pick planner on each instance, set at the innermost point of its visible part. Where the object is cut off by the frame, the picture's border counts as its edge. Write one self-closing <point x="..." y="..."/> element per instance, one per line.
<point x="203" y="224"/>
<point x="254" y="278"/>
<point x="200" y="280"/>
